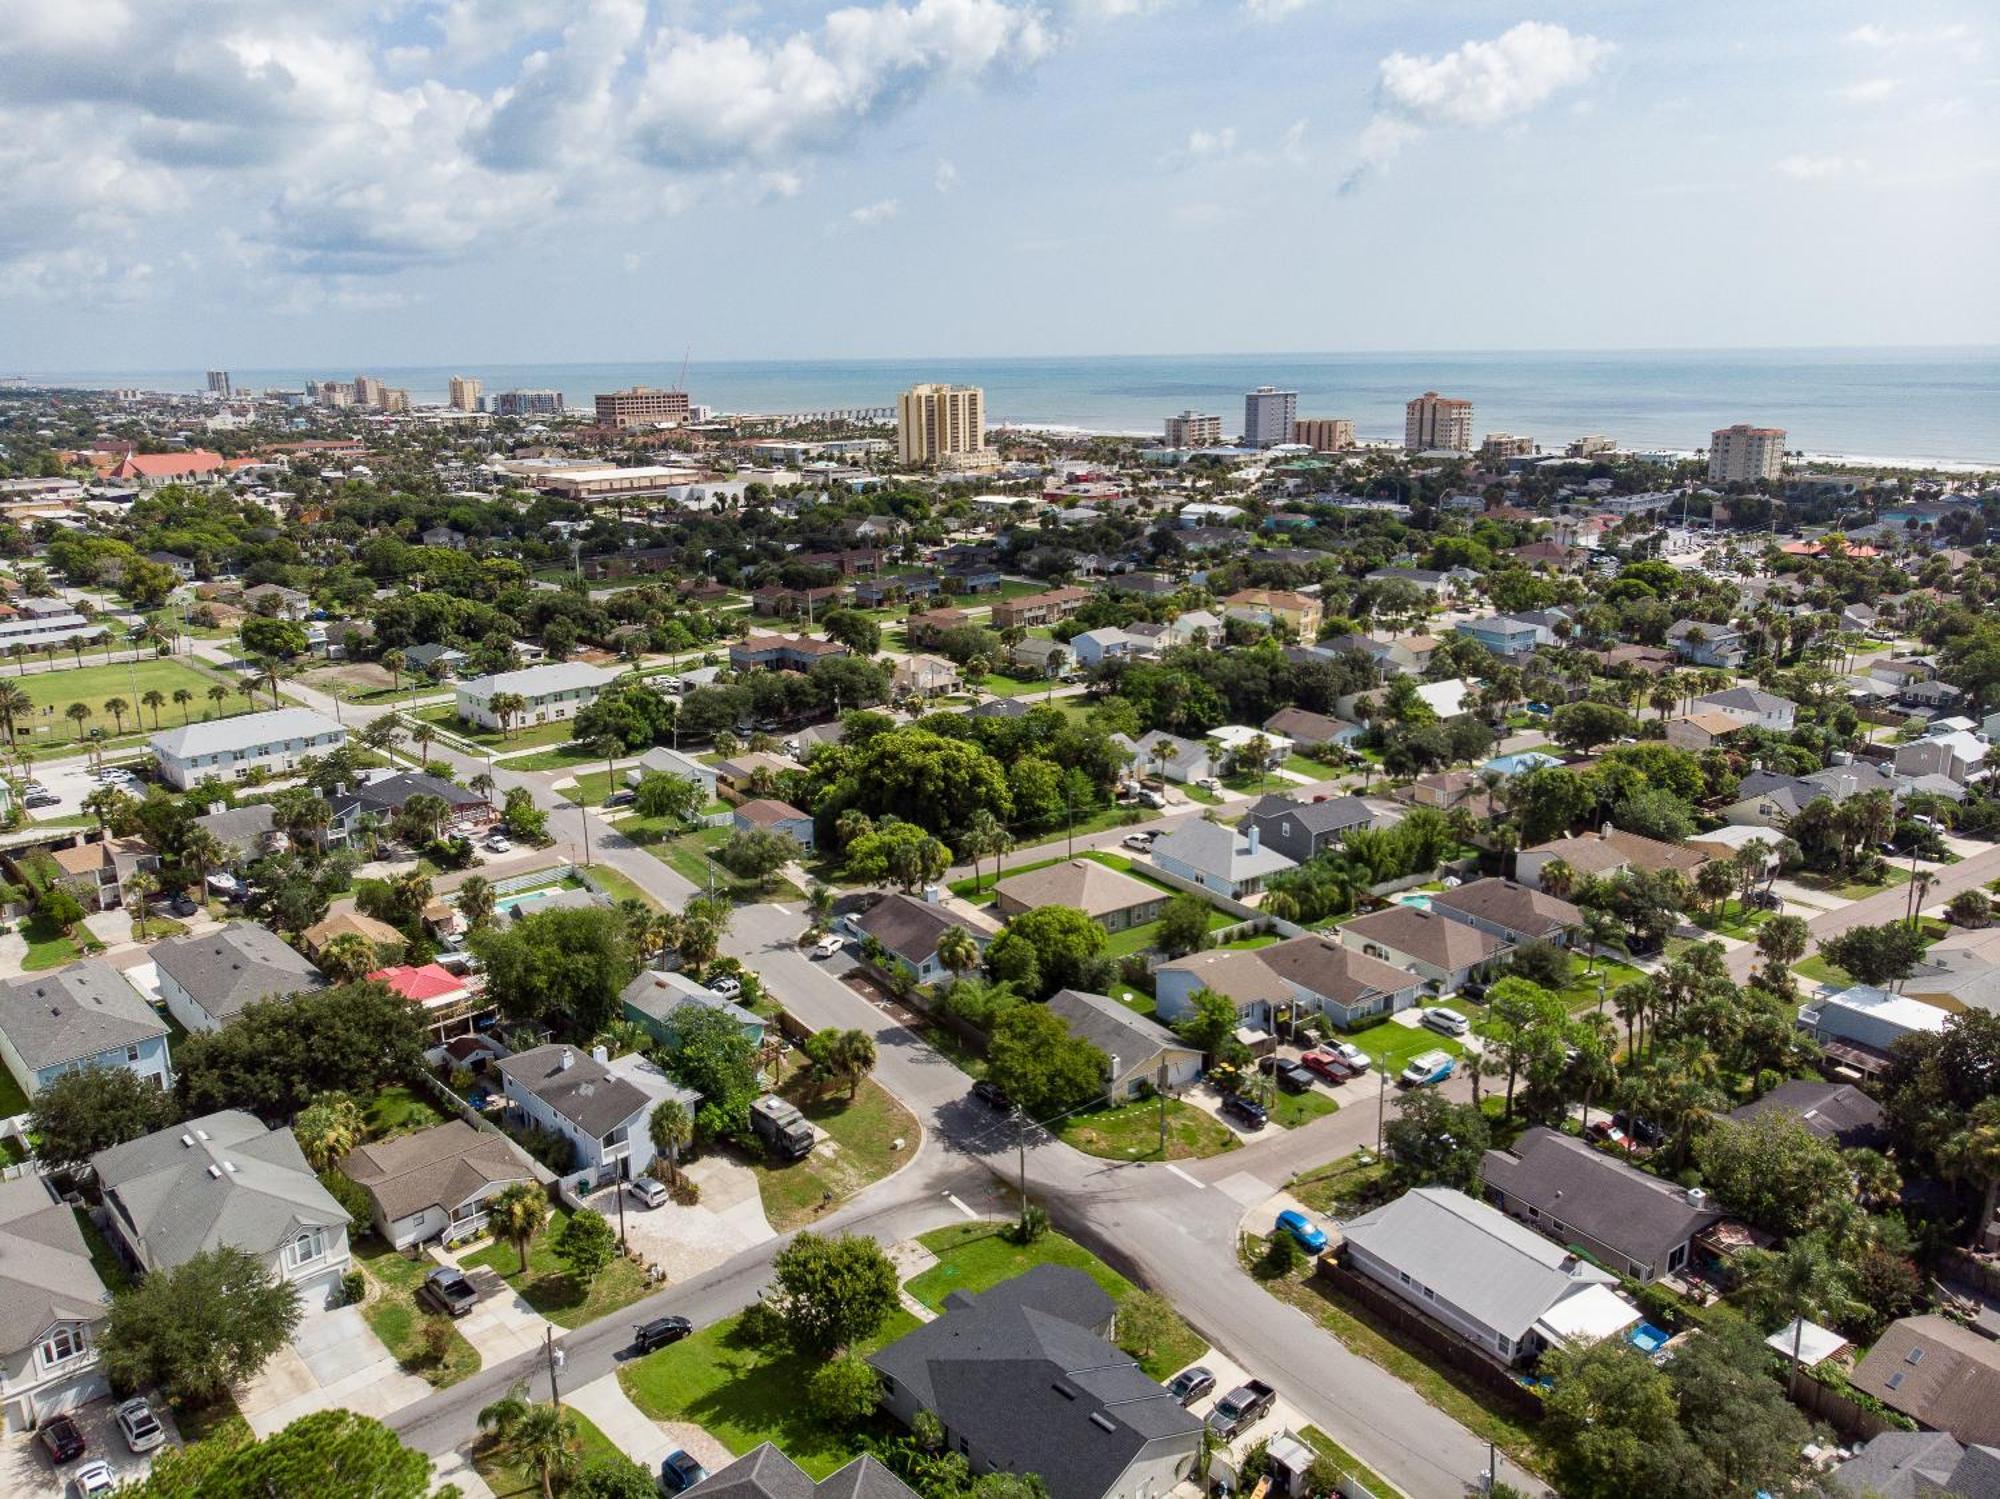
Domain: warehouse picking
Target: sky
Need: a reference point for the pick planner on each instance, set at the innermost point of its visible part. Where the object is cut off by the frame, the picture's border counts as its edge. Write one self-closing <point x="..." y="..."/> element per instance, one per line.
<point x="191" y="183"/>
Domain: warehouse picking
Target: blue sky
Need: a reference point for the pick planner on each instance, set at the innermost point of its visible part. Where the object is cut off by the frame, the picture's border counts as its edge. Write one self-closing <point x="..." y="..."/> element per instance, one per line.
<point x="394" y="181"/>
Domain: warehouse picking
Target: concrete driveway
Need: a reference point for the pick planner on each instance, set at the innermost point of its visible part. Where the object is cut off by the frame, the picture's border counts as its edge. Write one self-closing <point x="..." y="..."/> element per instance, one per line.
<point x="501" y="1325"/>
<point x="687" y="1241"/>
<point x="334" y="1360"/>
<point x="25" y="1469"/>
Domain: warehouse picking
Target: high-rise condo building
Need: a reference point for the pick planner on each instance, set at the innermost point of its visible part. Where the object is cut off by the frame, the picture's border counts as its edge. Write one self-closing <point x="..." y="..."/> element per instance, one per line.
<point x="218" y="383"/>
<point x="941" y="424"/>
<point x="1500" y="446"/>
<point x="1743" y="454"/>
<point x="642" y="406"/>
<point x="1324" y="434"/>
<point x="1590" y="445"/>
<point x="465" y="392"/>
<point x="1191" y="429"/>
<point x="368" y="391"/>
<point x="1435" y="421"/>
<point x="1268" y="415"/>
<point x="528" y="403"/>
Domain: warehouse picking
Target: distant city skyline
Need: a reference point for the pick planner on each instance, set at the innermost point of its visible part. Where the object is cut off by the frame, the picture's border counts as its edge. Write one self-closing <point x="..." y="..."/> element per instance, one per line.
<point x="482" y="182"/>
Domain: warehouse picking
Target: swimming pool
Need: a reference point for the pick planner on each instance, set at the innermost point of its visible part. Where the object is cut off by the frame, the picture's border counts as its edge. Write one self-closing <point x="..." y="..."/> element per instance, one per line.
<point x="1420" y="899"/>
<point x="527" y="902"/>
<point x="1646" y="1338"/>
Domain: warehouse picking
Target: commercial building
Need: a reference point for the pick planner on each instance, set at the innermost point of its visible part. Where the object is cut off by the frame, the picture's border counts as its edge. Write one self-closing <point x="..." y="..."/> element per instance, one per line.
<point x="1743" y="454"/>
<point x="1498" y="447"/>
<point x="528" y="403"/>
<point x="1268" y="416"/>
<point x="1324" y="434"/>
<point x="941" y="424"/>
<point x="465" y="392"/>
<point x="548" y="693"/>
<point x="642" y="406"/>
<point x="1433" y="421"/>
<point x="1193" y="429"/>
<point x="598" y="482"/>
<point x="218" y="383"/>
<point x="230" y="748"/>
<point x="368" y="391"/>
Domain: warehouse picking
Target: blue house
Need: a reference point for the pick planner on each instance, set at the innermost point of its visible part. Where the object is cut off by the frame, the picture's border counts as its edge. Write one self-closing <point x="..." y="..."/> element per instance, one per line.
<point x="651" y="999"/>
<point x="84" y="1015"/>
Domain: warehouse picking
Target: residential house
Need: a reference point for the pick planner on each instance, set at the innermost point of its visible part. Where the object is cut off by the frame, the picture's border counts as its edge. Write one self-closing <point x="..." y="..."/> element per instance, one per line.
<point x="652" y="999"/>
<point x="1304" y="830"/>
<point x="1310" y="730"/>
<point x="551" y="694"/>
<point x="1443" y="953"/>
<point x="576" y="1095"/>
<point x="1229" y="861"/>
<point x="1195" y="627"/>
<point x="1311" y="973"/>
<point x="1839" y="1112"/>
<point x="768" y="815"/>
<point x="1956" y="754"/>
<point x="230" y="748"/>
<point x="669" y="762"/>
<point x="436" y="1183"/>
<point x="182" y="567"/>
<point x="1939" y="1373"/>
<point x="1752" y="708"/>
<point x="1513" y="913"/>
<point x="781" y="652"/>
<point x="1159" y="753"/>
<point x="79" y="1016"/>
<point x="454" y="1002"/>
<point x="1639" y="1225"/>
<point x="766" y="1473"/>
<point x="52" y="1307"/>
<point x="1110" y="643"/>
<point x="248" y="832"/>
<point x="1021" y="1379"/>
<point x="443" y="536"/>
<point x="465" y="811"/>
<point x="1299" y="613"/>
<point x="738" y="774"/>
<point x="1707" y="644"/>
<point x="1446" y="789"/>
<point x="1502" y="1288"/>
<point x="1114" y="900"/>
<point x="1247" y="749"/>
<point x="1138" y="1052"/>
<point x="925" y="676"/>
<point x="387" y="942"/>
<point x="419" y="660"/>
<point x="207" y="979"/>
<point x="924" y="629"/>
<point x="1510" y="637"/>
<point x="1696" y="732"/>
<point x="1916" y="1465"/>
<point x="1434" y="583"/>
<point x="224" y="1179"/>
<point x="1047" y="659"/>
<point x="95" y="873"/>
<point x="1035" y="609"/>
<point x="277" y="602"/>
<point x="775" y="600"/>
<point x="1860" y="1025"/>
<point x="909" y="931"/>
<point x="1604" y="855"/>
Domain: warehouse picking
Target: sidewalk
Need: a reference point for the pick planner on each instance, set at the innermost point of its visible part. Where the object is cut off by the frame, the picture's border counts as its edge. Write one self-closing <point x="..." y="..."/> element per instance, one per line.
<point x="637" y="1435"/>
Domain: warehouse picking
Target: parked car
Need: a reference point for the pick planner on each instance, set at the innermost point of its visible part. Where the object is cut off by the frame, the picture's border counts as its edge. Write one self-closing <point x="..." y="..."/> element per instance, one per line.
<point x="93" y="1479"/>
<point x="1327" y="1064"/>
<point x="1426" y="1068"/>
<point x="1293" y="1078"/>
<point x="621" y="798"/>
<point x="449" y="1290"/>
<point x="1640" y="1129"/>
<point x="182" y="905"/>
<point x="1243" y="1406"/>
<point x="1351" y="1054"/>
<point x="1609" y="1133"/>
<point x="141" y="1428"/>
<point x="650" y="1190"/>
<point x="659" y="1332"/>
<point x="1247" y="1111"/>
<point x="1307" y="1234"/>
<point x="1143" y="842"/>
<point x="1191" y="1384"/>
<point x="42" y="799"/>
<point x="1208" y="783"/>
<point x="1447" y="1022"/>
<point x="828" y="945"/>
<point x="1153" y="799"/>
<point x="679" y="1471"/>
<point x="61" y="1440"/>
<point x="991" y="1094"/>
<point x="498" y="843"/>
<point x="727" y="987"/>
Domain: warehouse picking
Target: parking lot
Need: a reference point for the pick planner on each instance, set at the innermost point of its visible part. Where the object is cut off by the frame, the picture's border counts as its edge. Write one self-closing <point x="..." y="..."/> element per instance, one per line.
<point x="25" y="1469"/>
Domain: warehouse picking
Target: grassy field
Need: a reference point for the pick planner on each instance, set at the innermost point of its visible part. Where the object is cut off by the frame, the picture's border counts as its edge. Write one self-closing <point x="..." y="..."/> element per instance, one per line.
<point x="864" y="1130"/>
<point x="48" y="947"/>
<point x="524" y="736"/>
<point x="618" y="887"/>
<point x="744" y="1396"/>
<point x="1319" y="770"/>
<point x="509" y="1482"/>
<point x="1140" y="938"/>
<point x="563" y="757"/>
<point x="1820" y="971"/>
<point x="93" y="685"/>
<point x="1131" y="1132"/>
<point x="1393" y="1045"/>
<point x="1294" y="1109"/>
<point x="1854" y="889"/>
<point x="397" y="1110"/>
<point x="1581" y="991"/>
<point x="976" y="1256"/>
<point x="547" y="1286"/>
<point x="400" y="1322"/>
<point x="1001" y="685"/>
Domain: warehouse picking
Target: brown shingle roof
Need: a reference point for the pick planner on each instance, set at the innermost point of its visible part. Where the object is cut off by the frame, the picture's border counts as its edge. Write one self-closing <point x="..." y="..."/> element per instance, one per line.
<point x="438" y="1167"/>
<point x="1513" y="906"/>
<point x="1940" y="1373"/>
<point x="1437" y="940"/>
<point x="1081" y="884"/>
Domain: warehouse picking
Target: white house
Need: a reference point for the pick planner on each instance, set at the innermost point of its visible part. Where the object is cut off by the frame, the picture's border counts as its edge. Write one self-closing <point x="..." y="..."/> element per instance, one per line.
<point x="551" y="693"/>
<point x="576" y="1095"/>
<point x="1217" y="857"/>
<point x="436" y="1183"/>
<point x="206" y="979"/>
<point x="230" y="748"/>
<point x="52" y="1305"/>
<point x="1752" y="708"/>
<point x="668" y="762"/>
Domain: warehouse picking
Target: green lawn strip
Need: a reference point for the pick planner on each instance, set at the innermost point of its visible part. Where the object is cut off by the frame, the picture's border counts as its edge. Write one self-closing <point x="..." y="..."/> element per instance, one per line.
<point x="745" y="1396"/>
<point x="563" y="757"/>
<point x="48" y="945"/>
<point x="1319" y="770"/>
<point x="510" y="1482"/>
<point x="1581" y="991"/>
<point x="1391" y="1046"/>
<point x="618" y="887"/>
<point x="13" y="1097"/>
<point x="1348" y="1463"/>
<point x="1131" y="1132"/>
<point x="1363" y="1333"/>
<point x="1855" y="889"/>
<point x="522" y="736"/>
<point x="1256" y="785"/>
<point x="978" y="1256"/>
<point x="1734" y="921"/>
<point x="547" y="1286"/>
<point x="399" y="1321"/>
<point x="1140" y="938"/>
<point x="1001" y="685"/>
<point x="396" y="1110"/>
<point x="103" y="1258"/>
<point x="1818" y="969"/>
<point x="865" y="1130"/>
<point x="1206" y="797"/>
<point x="1294" y="1109"/>
<point x="1326" y="1189"/>
<point x="1245" y="944"/>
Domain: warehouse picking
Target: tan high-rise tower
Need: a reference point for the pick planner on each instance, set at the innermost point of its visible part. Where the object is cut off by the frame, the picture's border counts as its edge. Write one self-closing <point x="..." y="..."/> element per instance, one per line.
<point x="465" y="392"/>
<point x="941" y="424"/>
<point x="1435" y="421"/>
<point x="1743" y="454"/>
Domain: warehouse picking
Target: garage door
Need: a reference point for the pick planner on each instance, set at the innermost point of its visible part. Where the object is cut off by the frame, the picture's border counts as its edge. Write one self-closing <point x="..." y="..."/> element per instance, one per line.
<point x="81" y="1390"/>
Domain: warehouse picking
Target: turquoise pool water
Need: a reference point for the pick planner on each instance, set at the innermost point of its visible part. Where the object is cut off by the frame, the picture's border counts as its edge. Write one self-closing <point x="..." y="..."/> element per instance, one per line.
<point x="1420" y="899"/>
<point x="1646" y="1338"/>
<point x="528" y="901"/>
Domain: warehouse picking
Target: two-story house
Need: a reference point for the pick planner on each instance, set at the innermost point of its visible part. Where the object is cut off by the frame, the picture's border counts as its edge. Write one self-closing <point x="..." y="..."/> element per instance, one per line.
<point x="230" y="748"/>
<point x="1302" y="831"/>
<point x="95" y="873"/>
<point x="207" y="978"/>
<point x="576" y="1095"/>
<point x="52" y="1307"/>
<point x="550" y="694"/>
<point x="80" y="1016"/>
<point x="1707" y="644"/>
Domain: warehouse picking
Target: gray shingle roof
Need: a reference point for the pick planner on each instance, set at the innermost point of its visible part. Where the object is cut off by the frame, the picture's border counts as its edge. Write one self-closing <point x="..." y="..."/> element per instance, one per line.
<point x="1890" y="1466"/>
<point x="766" y="1473"/>
<point x="74" y="1013"/>
<point x="1213" y="848"/>
<point x="241" y="828"/>
<point x="1639" y="1216"/>
<point x="234" y="967"/>
<point x="1535" y="913"/>
<point x="1832" y="1111"/>
<point x="221" y="1179"/>
<point x="1329" y="816"/>
<point x="1114" y="1030"/>
<point x="45" y="1271"/>
<point x="585" y="1092"/>
<point x="1018" y="1372"/>
<point x="908" y="927"/>
<point x="540" y="681"/>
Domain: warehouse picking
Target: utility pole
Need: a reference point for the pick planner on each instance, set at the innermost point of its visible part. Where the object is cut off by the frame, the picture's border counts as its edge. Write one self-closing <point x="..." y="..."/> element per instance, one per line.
<point x="623" y="1163"/>
<point x="1021" y="1145"/>
<point x="549" y="1351"/>
<point x="1381" y="1109"/>
<point x="1160" y="1089"/>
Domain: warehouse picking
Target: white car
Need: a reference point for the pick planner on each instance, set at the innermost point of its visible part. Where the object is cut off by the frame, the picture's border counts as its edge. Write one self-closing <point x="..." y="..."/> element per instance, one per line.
<point x="93" y="1479"/>
<point x="1447" y="1022"/>
<point x="653" y="1193"/>
<point x="827" y="946"/>
<point x="1142" y="842"/>
<point x="728" y="988"/>
<point x="141" y="1428"/>
<point x="1351" y="1054"/>
<point x="498" y="845"/>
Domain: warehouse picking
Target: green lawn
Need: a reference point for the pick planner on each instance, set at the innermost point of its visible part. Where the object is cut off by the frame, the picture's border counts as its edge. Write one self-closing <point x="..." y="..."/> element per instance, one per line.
<point x="1294" y="1109"/>
<point x="397" y="1110"/>
<point x="744" y="1396"/>
<point x="1206" y="797"/>
<point x="48" y="946"/>
<point x="1581" y="991"/>
<point x="13" y="1098"/>
<point x="53" y="691"/>
<point x="1257" y="784"/>
<point x="1735" y="920"/>
<point x="1391" y="1045"/>
<point x="977" y="1256"/>
<point x="1347" y="1462"/>
<point x="1854" y="889"/>
<point x="563" y="757"/>
<point x="103" y="1258"/>
<point x="547" y="1286"/>
<point x="509" y="1482"/>
<point x="1821" y="971"/>
<point x="1001" y="685"/>
<point x="523" y="736"/>
<point x="618" y="887"/>
<point x="1319" y="770"/>
<point x="864" y="1130"/>
<point x="1245" y="944"/>
<point x="1140" y="938"/>
<point x="392" y="1311"/>
<point x="1131" y="1132"/>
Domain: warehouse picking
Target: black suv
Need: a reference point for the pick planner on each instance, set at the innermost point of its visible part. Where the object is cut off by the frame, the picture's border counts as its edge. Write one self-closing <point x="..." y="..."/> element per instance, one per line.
<point x="449" y="1291"/>
<point x="1246" y="1110"/>
<point x="989" y="1093"/>
<point x="659" y="1332"/>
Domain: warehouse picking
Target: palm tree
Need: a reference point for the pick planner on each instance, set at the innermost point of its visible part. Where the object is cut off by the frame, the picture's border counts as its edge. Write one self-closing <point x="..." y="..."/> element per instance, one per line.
<point x="1600" y="929"/>
<point x="981" y="837"/>
<point x="672" y="1130"/>
<point x="606" y="746"/>
<point x="517" y="1214"/>
<point x="411" y="892"/>
<point x="246" y="688"/>
<point x="14" y="706"/>
<point x="348" y="957"/>
<point x="475" y="901"/>
<point x="218" y="695"/>
<point x="393" y="659"/>
<point x="1973" y="1154"/>
<point x="368" y="829"/>
<point x="819" y="904"/>
<point x="155" y="699"/>
<point x="1557" y="877"/>
<point x="328" y="1128"/>
<point x="1714" y="881"/>
<point x="137" y="888"/>
<point x="540" y="1437"/>
<point x="424" y="735"/>
<point x="482" y="784"/>
<point x="77" y="713"/>
<point x="204" y="851"/>
<point x="1806" y="1280"/>
<point x="117" y="707"/>
<point x="1630" y="1002"/>
<point x="958" y="951"/>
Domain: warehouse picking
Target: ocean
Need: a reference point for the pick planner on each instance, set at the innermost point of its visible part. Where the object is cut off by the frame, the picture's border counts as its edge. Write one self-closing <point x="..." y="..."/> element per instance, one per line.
<point x="1936" y="406"/>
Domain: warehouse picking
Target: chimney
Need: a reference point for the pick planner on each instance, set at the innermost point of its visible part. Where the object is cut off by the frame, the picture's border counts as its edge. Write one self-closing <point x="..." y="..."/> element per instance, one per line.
<point x="1256" y="838"/>
<point x="568" y="1060"/>
<point x="599" y="1054"/>
<point x="1604" y="830"/>
<point x="1697" y="1198"/>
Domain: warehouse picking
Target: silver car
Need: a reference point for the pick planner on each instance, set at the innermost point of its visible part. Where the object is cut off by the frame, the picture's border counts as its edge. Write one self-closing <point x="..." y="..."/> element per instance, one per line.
<point x="141" y="1428"/>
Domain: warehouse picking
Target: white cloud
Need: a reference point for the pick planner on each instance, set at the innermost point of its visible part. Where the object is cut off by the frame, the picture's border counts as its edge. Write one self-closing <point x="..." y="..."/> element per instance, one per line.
<point x="871" y="214"/>
<point x="1274" y="10"/>
<point x="1820" y="168"/>
<point x="1479" y="85"/>
<point x="1870" y="90"/>
<point x="1200" y="148"/>
<point x="945" y="178"/>
<point x="1889" y="39"/>
<point x="1225" y="145"/>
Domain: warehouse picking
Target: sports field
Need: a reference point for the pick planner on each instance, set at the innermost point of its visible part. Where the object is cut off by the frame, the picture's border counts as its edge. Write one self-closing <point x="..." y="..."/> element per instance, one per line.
<point x="53" y="691"/>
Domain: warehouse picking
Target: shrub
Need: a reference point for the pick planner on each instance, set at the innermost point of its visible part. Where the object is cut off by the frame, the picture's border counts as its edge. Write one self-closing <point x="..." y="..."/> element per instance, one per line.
<point x="843" y="1392"/>
<point x="437" y="1339"/>
<point x="557" y="1152"/>
<point x="685" y="1192"/>
<point x="1280" y="1257"/>
<point x="353" y="1286"/>
<point x="1033" y="1223"/>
